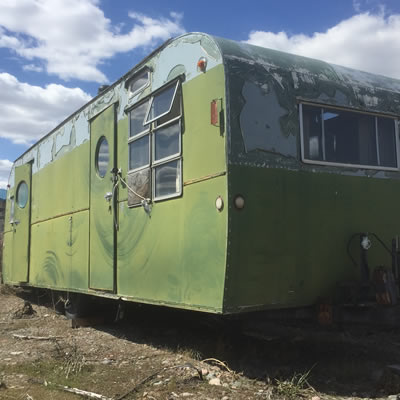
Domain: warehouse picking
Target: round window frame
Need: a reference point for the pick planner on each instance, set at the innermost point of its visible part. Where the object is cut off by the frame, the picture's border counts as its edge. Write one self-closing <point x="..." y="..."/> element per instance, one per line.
<point x="99" y="143"/>
<point x="22" y="206"/>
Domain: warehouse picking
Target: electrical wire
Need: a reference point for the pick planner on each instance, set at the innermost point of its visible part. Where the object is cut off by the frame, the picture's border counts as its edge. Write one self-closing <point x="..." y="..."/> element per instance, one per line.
<point x="135" y="193"/>
<point x="367" y="234"/>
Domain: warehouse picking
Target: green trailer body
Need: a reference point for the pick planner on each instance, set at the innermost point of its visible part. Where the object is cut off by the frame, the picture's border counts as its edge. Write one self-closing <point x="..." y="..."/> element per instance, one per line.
<point x="213" y="176"/>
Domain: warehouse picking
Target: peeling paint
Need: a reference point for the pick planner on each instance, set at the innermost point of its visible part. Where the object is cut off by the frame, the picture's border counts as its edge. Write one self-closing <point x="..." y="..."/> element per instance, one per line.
<point x="63" y="138"/>
<point x="260" y="122"/>
<point x="259" y="79"/>
<point x="176" y="71"/>
<point x="179" y="57"/>
<point x="81" y="124"/>
<point x="291" y="79"/>
<point x="185" y="54"/>
<point x="45" y="152"/>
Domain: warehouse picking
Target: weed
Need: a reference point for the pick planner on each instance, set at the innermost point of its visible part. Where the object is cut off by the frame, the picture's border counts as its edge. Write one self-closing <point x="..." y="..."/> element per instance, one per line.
<point x="73" y="361"/>
<point x="295" y="387"/>
<point x="190" y="353"/>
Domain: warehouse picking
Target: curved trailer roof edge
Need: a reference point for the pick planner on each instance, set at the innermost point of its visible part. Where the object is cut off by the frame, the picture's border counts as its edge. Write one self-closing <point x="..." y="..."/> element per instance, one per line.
<point x="269" y="59"/>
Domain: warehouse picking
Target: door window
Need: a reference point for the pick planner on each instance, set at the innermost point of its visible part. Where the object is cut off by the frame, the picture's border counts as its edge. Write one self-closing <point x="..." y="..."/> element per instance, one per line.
<point x="102" y="157"/>
<point x="22" y="194"/>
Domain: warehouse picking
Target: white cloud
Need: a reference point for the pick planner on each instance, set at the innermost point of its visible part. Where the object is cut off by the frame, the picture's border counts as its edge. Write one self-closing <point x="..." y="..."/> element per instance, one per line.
<point x="32" y="67"/>
<point x="368" y="42"/>
<point x="28" y="112"/>
<point x="73" y="38"/>
<point x="5" y="168"/>
<point x="357" y="6"/>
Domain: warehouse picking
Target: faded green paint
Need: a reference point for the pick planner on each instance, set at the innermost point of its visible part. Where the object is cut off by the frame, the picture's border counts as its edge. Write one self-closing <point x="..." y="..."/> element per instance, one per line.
<point x="101" y="210"/>
<point x="176" y="255"/>
<point x="286" y="248"/>
<point x="7" y="238"/>
<point x="62" y="187"/>
<point x="60" y="252"/>
<point x="16" y="265"/>
<point x="288" y="245"/>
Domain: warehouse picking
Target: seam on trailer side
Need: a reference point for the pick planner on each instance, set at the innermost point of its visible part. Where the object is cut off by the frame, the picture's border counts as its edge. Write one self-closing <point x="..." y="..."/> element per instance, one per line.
<point x="59" y="216"/>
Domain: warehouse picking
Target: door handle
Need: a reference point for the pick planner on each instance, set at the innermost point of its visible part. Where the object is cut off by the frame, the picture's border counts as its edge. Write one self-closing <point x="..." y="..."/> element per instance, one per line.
<point x="108" y="196"/>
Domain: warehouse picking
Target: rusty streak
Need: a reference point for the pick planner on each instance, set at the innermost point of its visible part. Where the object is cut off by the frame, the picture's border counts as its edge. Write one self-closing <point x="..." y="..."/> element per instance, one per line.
<point x="204" y="178"/>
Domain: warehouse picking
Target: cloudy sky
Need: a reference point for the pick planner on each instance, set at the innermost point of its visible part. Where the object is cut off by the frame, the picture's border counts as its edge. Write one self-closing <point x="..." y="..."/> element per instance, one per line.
<point x="55" y="53"/>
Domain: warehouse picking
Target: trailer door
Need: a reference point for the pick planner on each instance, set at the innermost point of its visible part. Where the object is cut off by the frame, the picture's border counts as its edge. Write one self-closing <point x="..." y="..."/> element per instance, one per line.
<point x="103" y="201"/>
<point x="20" y="220"/>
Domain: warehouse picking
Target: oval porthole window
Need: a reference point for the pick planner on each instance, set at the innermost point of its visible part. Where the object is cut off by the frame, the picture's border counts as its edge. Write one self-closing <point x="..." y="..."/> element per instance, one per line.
<point x="102" y="157"/>
<point x="22" y="194"/>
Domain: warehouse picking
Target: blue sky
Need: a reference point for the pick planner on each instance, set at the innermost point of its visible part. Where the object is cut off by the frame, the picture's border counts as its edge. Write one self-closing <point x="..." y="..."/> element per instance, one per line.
<point x="55" y="53"/>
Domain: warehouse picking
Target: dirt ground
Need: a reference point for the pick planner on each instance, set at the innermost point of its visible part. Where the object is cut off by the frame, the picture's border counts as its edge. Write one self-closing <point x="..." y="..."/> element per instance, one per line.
<point x="157" y="353"/>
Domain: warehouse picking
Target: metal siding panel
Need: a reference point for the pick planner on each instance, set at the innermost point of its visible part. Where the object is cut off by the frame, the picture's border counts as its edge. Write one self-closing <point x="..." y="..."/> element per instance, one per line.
<point x="288" y="245"/>
<point x="62" y="186"/>
<point x="59" y="257"/>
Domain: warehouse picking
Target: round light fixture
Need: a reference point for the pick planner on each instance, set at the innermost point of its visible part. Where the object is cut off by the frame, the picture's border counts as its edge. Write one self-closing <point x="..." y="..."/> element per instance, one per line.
<point x="219" y="203"/>
<point x="239" y="202"/>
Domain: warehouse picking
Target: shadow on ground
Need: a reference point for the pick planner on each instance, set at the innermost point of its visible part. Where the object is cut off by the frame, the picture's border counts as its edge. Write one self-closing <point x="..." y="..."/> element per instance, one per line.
<point x="350" y="361"/>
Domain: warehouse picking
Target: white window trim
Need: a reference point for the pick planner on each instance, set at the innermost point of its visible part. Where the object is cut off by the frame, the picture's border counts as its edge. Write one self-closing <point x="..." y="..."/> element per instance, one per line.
<point x="153" y="180"/>
<point x="146" y="121"/>
<point x="346" y="165"/>
<point x="141" y="88"/>
<point x="147" y="127"/>
<point x="172" y="156"/>
<point x="150" y="132"/>
<point x="134" y="140"/>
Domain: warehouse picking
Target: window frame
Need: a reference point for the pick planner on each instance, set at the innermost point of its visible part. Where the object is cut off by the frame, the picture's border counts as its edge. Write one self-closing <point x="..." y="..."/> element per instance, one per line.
<point x="153" y="148"/>
<point x="153" y="180"/>
<point x="348" y="165"/>
<point x="151" y="131"/>
<point x="135" y="76"/>
<point x="177" y="83"/>
<point x="147" y="127"/>
<point x="135" y="140"/>
<point x="97" y="162"/>
<point x="21" y="184"/>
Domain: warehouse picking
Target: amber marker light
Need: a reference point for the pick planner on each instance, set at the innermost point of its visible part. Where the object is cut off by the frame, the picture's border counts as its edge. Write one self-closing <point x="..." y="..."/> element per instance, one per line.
<point x="214" y="113"/>
<point x="239" y="202"/>
<point x="202" y="64"/>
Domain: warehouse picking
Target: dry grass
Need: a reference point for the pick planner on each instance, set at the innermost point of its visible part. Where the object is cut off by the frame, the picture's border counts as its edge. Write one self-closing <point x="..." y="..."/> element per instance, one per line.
<point x="1" y="255"/>
<point x="294" y="388"/>
<point x="7" y="290"/>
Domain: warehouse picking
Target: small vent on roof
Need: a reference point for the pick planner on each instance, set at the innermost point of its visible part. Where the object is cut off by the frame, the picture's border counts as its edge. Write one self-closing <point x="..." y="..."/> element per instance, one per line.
<point x="102" y="88"/>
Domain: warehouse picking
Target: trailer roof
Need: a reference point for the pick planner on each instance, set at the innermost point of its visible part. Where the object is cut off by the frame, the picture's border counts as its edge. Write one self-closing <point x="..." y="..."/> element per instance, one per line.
<point x="375" y="92"/>
<point x="313" y="78"/>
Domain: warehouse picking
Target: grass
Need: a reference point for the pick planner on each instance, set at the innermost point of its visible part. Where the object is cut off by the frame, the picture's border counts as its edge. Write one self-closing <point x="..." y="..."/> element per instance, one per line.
<point x="295" y="387"/>
<point x="190" y="353"/>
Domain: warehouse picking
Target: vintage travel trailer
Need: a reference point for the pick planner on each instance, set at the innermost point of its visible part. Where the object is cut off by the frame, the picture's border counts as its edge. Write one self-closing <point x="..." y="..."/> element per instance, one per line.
<point x="214" y="176"/>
